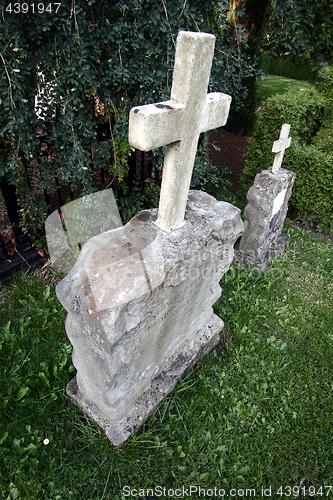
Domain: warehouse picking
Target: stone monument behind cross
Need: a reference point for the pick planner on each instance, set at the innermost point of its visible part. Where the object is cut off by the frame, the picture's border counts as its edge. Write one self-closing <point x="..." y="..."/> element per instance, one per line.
<point x="265" y="213"/>
<point x="178" y="123"/>
<point x="139" y="298"/>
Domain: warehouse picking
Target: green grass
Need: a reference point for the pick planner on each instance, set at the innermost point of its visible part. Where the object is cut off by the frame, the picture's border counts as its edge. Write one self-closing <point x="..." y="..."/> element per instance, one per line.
<point x="256" y="413"/>
<point x="272" y="85"/>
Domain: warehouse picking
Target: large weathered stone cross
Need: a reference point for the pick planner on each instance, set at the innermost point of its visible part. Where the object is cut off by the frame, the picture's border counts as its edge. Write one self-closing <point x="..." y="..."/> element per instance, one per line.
<point x="178" y="123"/>
<point x="280" y="146"/>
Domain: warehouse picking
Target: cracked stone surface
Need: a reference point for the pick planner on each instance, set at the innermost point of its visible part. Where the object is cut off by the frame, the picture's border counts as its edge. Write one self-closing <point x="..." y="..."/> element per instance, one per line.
<point x="264" y="215"/>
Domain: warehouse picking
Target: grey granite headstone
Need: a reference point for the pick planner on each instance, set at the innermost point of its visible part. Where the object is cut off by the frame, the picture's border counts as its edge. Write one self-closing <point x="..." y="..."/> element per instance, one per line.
<point x="139" y="303"/>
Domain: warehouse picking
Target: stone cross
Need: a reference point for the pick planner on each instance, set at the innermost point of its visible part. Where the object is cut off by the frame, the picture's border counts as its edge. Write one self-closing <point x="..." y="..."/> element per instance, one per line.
<point x="177" y="123"/>
<point x="280" y="146"/>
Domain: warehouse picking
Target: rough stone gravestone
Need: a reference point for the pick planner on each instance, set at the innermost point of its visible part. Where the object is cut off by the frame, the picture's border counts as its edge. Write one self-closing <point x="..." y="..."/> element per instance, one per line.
<point x="266" y="211"/>
<point x="139" y="298"/>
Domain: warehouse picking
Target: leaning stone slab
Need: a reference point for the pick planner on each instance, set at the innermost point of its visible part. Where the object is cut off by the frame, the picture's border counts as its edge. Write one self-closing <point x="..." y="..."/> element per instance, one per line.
<point x="139" y="304"/>
<point x="264" y="215"/>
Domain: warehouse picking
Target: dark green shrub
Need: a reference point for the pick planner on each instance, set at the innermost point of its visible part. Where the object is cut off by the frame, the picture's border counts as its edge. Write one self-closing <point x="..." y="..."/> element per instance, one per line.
<point x="324" y="81"/>
<point x="89" y="63"/>
<point x="298" y="68"/>
<point x="324" y="84"/>
<point x="313" y="189"/>
<point x="323" y="140"/>
<point x="265" y="63"/>
<point x="303" y="109"/>
<point x="312" y="196"/>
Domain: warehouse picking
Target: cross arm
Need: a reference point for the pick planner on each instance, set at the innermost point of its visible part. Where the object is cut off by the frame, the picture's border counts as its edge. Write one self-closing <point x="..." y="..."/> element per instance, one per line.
<point x="281" y="144"/>
<point x="154" y="125"/>
<point x="216" y="111"/>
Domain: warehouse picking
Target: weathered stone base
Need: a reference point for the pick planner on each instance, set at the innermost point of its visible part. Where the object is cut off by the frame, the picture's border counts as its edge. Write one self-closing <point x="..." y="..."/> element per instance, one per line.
<point x="161" y="386"/>
<point x="139" y="303"/>
<point x="260" y="264"/>
<point x="265" y="213"/>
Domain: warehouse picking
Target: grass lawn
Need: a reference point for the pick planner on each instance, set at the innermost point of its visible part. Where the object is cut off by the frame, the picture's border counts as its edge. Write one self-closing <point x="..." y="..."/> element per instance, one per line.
<point x="255" y="414"/>
<point x="272" y="84"/>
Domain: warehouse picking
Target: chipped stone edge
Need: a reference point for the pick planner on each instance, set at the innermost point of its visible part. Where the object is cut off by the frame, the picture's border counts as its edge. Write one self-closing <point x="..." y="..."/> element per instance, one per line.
<point x="243" y="261"/>
<point x="162" y="385"/>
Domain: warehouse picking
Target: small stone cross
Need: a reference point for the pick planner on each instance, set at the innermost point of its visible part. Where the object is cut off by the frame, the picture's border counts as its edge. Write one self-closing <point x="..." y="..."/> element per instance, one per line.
<point x="280" y="146"/>
<point x="177" y="123"/>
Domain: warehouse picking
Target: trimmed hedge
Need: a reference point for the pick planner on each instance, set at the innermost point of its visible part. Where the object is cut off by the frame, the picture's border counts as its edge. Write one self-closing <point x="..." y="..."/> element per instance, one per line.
<point x="324" y="85"/>
<point x="313" y="190"/>
<point x="312" y="196"/>
<point x="303" y="109"/>
<point x="298" y="68"/>
<point x="324" y="138"/>
<point x="324" y="81"/>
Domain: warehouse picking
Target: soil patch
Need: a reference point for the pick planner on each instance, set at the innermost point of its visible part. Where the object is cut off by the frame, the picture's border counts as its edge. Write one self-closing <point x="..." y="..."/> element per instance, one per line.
<point x="232" y="148"/>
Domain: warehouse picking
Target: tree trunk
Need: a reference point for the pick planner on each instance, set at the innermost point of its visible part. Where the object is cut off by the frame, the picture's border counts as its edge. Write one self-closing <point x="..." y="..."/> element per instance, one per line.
<point x="253" y="22"/>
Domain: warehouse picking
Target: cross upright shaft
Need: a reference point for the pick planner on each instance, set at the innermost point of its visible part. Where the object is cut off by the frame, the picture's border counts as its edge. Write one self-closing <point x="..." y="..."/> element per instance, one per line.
<point x="178" y="123"/>
<point x="280" y="146"/>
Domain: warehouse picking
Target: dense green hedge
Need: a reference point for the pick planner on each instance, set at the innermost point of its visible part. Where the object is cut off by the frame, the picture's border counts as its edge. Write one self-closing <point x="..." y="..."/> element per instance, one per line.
<point x="324" y="81"/>
<point x="305" y="110"/>
<point x="324" y="137"/>
<point x="298" y="68"/>
<point x="312" y="196"/>
<point x="113" y="53"/>
<point x="300" y="27"/>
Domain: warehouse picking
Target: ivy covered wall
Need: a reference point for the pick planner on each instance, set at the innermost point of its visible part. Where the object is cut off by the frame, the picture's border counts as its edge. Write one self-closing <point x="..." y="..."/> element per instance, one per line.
<point x="88" y="62"/>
